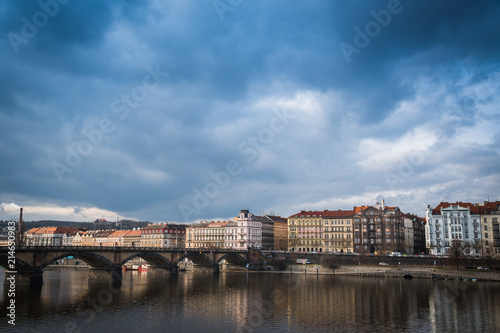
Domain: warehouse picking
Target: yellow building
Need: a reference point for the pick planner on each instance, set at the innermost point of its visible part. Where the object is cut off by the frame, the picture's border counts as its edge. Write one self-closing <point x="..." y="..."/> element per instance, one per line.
<point x="337" y="231"/>
<point x="280" y="233"/>
<point x="305" y="231"/>
<point x="320" y="231"/>
<point x="490" y="228"/>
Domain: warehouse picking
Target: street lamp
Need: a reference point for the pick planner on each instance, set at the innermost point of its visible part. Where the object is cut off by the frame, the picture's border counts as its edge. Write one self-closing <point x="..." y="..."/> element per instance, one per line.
<point x="42" y="230"/>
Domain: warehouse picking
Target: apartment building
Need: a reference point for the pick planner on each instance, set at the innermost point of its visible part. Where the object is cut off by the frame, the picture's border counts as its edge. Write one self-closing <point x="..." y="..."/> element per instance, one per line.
<point x="337" y="231"/>
<point x="450" y="222"/>
<point x="490" y="228"/>
<point x="378" y="229"/>
<point x="48" y="236"/>
<point x="245" y="232"/>
<point x="164" y="235"/>
<point x="208" y="235"/>
<point x="305" y="231"/>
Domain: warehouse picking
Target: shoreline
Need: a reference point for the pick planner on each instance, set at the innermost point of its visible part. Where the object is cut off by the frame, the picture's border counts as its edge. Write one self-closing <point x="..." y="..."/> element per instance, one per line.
<point x="416" y="272"/>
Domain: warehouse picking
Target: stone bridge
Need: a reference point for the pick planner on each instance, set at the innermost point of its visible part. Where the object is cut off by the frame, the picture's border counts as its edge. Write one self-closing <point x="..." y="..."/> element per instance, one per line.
<point x="108" y="261"/>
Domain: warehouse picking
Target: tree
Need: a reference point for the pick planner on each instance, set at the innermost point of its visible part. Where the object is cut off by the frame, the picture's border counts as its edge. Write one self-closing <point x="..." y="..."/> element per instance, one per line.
<point x="277" y="263"/>
<point x="329" y="261"/>
<point x="456" y="252"/>
<point x="254" y="255"/>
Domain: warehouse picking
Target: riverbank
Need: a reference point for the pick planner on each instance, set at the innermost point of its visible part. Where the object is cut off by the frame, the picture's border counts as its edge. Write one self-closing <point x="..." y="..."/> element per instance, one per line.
<point x="361" y="271"/>
<point x="62" y="267"/>
<point x="389" y="272"/>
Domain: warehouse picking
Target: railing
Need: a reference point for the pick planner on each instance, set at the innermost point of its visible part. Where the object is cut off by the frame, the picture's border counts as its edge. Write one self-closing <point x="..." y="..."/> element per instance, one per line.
<point x="121" y="248"/>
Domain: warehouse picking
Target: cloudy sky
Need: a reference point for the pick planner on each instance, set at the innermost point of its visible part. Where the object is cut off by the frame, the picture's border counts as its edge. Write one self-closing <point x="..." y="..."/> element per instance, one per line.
<point x="189" y="110"/>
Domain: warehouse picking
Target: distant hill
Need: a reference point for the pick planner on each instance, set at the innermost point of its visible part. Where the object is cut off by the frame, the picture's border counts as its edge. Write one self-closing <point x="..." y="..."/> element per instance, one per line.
<point x="122" y="224"/>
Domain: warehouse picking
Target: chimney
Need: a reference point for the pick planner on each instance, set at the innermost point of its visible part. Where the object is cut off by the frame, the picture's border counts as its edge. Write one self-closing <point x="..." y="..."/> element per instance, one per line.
<point x="383" y="204"/>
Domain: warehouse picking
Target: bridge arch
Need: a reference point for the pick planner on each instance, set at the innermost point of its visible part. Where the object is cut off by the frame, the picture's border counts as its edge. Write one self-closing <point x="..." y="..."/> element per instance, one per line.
<point x="94" y="260"/>
<point x="198" y="259"/>
<point x="20" y="264"/>
<point x="152" y="258"/>
<point x="234" y="259"/>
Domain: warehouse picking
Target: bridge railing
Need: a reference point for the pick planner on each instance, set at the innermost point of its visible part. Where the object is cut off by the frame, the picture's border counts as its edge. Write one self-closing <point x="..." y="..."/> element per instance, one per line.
<point x="121" y="248"/>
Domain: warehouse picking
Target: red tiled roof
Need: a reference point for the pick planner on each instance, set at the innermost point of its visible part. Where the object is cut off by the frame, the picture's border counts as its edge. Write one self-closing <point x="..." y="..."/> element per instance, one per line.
<point x="473" y="208"/>
<point x="53" y="230"/>
<point x="490" y="207"/>
<point x="133" y="233"/>
<point x="119" y="233"/>
<point x="359" y="209"/>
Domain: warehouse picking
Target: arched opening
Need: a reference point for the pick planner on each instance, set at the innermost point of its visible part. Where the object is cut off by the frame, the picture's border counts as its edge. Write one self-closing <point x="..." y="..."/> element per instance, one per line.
<point x="196" y="261"/>
<point x="233" y="259"/>
<point x="143" y="261"/>
<point x="20" y="265"/>
<point x="372" y="249"/>
<point x="92" y="259"/>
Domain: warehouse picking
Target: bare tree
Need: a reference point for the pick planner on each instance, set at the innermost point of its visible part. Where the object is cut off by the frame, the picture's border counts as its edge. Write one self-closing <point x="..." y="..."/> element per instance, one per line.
<point x="329" y="261"/>
<point x="456" y="252"/>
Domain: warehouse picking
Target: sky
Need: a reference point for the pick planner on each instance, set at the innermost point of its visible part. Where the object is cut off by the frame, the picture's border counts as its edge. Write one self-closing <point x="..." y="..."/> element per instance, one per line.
<point x="182" y="111"/>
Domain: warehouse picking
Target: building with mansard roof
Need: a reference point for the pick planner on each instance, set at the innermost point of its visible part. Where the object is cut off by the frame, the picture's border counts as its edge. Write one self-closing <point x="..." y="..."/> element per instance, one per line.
<point x="449" y="222"/>
<point x="378" y="229"/>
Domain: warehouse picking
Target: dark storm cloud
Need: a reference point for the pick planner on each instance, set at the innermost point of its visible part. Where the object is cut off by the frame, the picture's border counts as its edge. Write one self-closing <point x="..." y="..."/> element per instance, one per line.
<point x="433" y="67"/>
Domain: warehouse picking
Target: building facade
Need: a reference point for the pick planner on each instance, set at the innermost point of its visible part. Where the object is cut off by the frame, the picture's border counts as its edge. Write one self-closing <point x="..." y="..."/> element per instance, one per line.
<point x="245" y="232"/>
<point x="337" y="231"/>
<point x="208" y="235"/>
<point x="378" y="229"/>
<point x="267" y="232"/>
<point x="490" y="228"/>
<point x="48" y="236"/>
<point x="305" y="231"/>
<point x="409" y="243"/>
<point x="117" y="238"/>
<point x="163" y="235"/>
<point x="280" y="232"/>
<point x="450" y="222"/>
<point x="132" y="238"/>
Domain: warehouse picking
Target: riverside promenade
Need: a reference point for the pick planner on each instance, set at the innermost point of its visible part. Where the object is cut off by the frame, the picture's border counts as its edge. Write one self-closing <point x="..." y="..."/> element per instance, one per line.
<point x="394" y="272"/>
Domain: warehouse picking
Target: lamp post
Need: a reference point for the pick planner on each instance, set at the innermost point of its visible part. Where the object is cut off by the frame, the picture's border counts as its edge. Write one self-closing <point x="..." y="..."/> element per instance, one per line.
<point x="41" y="240"/>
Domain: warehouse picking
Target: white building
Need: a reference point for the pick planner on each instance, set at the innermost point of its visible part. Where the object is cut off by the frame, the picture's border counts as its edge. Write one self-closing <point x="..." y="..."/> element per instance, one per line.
<point x="450" y="222"/>
<point x="244" y="233"/>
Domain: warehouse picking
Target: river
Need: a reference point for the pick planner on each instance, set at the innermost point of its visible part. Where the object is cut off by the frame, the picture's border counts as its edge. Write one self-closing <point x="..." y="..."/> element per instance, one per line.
<point x="253" y="302"/>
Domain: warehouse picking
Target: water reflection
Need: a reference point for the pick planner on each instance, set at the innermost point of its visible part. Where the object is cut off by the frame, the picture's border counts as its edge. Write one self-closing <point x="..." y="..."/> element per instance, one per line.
<point x="239" y="302"/>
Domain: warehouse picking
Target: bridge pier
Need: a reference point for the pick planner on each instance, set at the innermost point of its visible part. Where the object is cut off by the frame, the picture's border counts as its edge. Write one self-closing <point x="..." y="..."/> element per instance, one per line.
<point x="32" y="278"/>
<point x="115" y="273"/>
<point x="216" y="269"/>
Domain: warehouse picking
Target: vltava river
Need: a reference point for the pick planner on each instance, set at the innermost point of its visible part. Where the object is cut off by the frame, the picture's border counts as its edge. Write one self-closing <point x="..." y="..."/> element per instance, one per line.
<point x="254" y="302"/>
